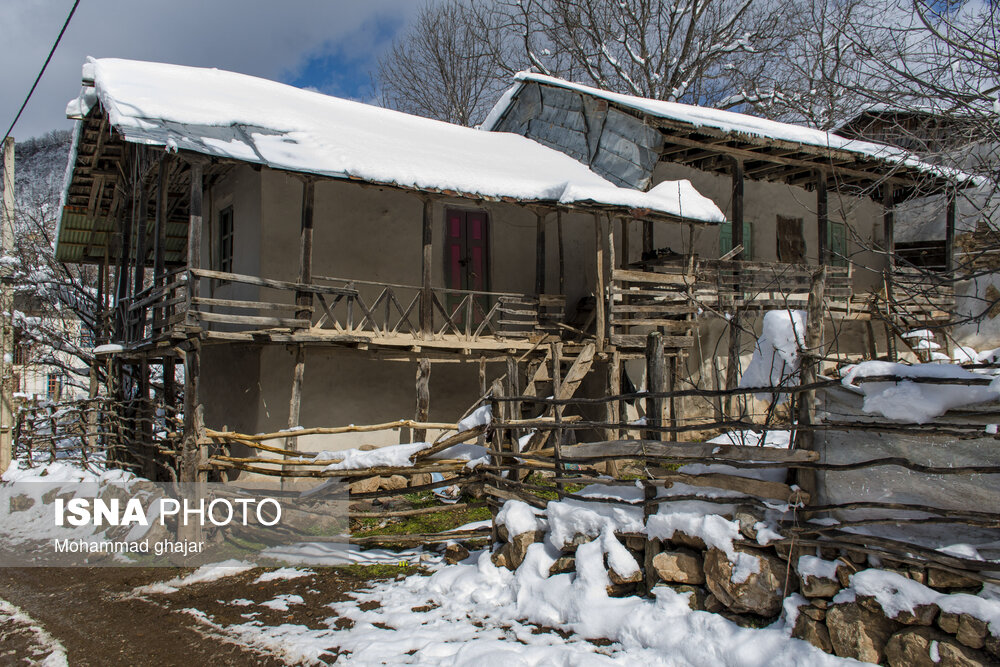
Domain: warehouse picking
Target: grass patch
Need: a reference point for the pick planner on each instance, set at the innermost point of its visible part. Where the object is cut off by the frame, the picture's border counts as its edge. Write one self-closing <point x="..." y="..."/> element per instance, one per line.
<point x="432" y="522"/>
<point x="378" y="570"/>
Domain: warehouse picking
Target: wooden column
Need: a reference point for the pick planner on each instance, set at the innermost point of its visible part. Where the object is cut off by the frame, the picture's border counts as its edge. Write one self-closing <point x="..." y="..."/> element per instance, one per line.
<point x="655" y="374"/>
<point x="514" y="389"/>
<point x="194" y="414"/>
<point x="295" y="402"/>
<point x="647" y="238"/>
<point x="427" y="262"/>
<point x="144" y="415"/>
<point x="599" y="295"/>
<point x="195" y="216"/>
<point x="304" y="299"/>
<point x="423" y="398"/>
<point x="822" y="217"/>
<point x="142" y="222"/>
<point x="889" y="223"/>
<point x="613" y="409"/>
<point x="949" y="234"/>
<point x="562" y="254"/>
<point x="737" y="206"/>
<point x="121" y="277"/>
<point x="539" y="254"/>
<point x="672" y="387"/>
<point x="160" y="235"/>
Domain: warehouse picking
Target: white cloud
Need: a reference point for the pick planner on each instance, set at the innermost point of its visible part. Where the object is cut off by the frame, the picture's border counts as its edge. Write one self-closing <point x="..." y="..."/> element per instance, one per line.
<point x="264" y="38"/>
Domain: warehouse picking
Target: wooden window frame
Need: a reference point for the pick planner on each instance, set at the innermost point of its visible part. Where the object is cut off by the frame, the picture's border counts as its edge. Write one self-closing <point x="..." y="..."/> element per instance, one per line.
<point x="226" y="236"/>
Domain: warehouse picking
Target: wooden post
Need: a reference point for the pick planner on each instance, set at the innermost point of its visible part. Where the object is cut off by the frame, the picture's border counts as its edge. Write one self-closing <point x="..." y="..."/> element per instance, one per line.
<point x="427" y="261"/>
<point x="121" y="288"/>
<point x="562" y="254"/>
<point x="194" y="416"/>
<point x="144" y="415"/>
<point x="423" y="397"/>
<point x="626" y="224"/>
<point x="539" y="253"/>
<point x="608" y="313"/>
<point x="737" y="207"/>
<point x="557" y="413"/>
<point x="889" y="223"/>
<point x="733" y="361"/>
<point x="482" y="392"/>
<point x="810" y="369"/>
<point x="655" y="372"/>
<point x="160" y="236"/>
<point x="599" y="292"/>
<point x="647" y="238"/>
<point x="672" y="387"/>
<point x="295" y="402"/>
<point x="6" y="308"/>
<point x="142" y="222"/>
<point x="613" y="412"/>
<point x="949" y="234"/>
<point x="822" y="217"/>
<point x="304" y="299"/>
<point x="195" y="216"/>
<point x="514" y="389"/>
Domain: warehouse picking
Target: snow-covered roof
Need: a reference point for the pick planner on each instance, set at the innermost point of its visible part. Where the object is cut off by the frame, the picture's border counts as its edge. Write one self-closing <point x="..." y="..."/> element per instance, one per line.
<point x="727" y="122"/>
<point x="230" y="115"/>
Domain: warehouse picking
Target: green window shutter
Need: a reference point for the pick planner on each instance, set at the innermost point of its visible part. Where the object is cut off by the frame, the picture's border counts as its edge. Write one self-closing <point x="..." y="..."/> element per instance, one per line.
<point x="726" y="239"/>
<point x="836" y="240"/>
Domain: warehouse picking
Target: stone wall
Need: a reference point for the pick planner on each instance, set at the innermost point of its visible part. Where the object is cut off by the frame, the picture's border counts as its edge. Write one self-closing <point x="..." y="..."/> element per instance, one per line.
<point x="819" y="593"/>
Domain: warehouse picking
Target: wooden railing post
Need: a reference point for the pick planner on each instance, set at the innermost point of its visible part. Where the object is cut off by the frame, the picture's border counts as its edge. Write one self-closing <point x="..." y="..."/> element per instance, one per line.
<point x="304" y="299"/>
<point x="655" y="374"/>
<point x="557" y="411"/>
<point x="599" y="292"/>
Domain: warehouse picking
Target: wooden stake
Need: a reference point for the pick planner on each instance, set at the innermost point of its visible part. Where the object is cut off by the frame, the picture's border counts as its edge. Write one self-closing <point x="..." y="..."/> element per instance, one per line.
<point x="423" y="397"/>
<point x="810" y="369"/>
<point x="194" y="418"/>
<point x="557" y="412"/>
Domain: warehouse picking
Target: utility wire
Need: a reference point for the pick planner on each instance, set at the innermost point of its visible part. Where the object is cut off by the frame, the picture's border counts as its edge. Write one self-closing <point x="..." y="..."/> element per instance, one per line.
<point x="40" y="73"/>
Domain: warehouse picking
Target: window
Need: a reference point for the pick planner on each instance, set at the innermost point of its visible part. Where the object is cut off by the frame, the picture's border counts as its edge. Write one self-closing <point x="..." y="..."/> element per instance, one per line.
<point x="836" y="242"/>
<point x="53" y="385"/>
<point x="726" y="239"/>
<point x="791" y="243"/>
<point x="226" y="240"/>
<point x="22" y="351"/>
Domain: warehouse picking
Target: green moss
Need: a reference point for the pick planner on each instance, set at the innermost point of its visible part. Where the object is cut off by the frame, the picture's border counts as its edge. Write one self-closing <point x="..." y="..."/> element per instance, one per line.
<point x="432" y="522"/>
<point x="378" y="570"/>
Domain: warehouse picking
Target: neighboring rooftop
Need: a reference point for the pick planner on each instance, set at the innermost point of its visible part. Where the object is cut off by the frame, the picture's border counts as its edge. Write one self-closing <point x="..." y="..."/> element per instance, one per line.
<point x="709" y="139"/>
<point x="238" y="117"/>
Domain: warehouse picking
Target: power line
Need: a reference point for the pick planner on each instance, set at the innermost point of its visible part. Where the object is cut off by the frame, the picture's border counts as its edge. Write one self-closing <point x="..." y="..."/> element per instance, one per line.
<point x="40" y="73"/>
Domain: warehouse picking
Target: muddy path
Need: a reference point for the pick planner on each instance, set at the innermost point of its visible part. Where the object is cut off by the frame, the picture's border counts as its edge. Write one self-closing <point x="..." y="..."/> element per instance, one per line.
<point x="94" y="614"/>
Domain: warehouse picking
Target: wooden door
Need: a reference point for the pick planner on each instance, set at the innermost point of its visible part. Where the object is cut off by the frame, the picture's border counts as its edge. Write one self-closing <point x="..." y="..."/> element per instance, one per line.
<point x="467" y="260"/>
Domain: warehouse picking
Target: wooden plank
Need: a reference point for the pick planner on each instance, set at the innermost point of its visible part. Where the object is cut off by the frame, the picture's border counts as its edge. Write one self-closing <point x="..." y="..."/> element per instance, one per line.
<point x="686" y="450"/>
<point x="275" y="284"/>
<point x="221" y="318"/>
<point x="746" y="485"/>
<point x="599" y="294"/>
<point x="195" y="217"/>
<point x="639" y="341"/>
<point x="623" y="275"/>
<point x="669" y="325"/>
<point x="236" y="303"/>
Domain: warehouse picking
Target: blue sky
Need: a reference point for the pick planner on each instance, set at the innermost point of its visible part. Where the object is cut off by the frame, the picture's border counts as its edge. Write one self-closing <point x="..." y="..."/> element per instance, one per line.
<point x="329" y="45"/>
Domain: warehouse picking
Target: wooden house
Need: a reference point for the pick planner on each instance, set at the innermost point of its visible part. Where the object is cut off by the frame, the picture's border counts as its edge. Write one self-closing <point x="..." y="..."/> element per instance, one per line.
<point x="312" y="259"/>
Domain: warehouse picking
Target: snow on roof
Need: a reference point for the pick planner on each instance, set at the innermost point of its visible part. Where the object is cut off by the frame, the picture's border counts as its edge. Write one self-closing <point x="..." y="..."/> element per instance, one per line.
<point x="726" y="121"/>
<point x="230" y="115"/>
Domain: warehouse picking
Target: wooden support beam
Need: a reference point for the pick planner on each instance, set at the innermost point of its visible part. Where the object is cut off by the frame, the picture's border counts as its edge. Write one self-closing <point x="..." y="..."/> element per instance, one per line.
<point x="613" y="412"/>
<point x="121" y="275"/>
<point x="562" y="253"/>
<point x="142" y="222"/>
<point x="889" y="223"/>
<point x="647" y="238"/>
<point x="423" y="397"/>
<point x="194" y="415"/>
<point x="822" y="218"/>
<point x="949" y="234"/>
<point x="655" y="382"/>
<point x="599" y="292"/>
<point x="625" y="255"/>
<point x="195" y="216"/>
<point x="540" y="254"/>
<point x="304" y="299"/>
<point x="160" y="232"/>
<point x="295" y="402"/>
<point x="427" y="261"/>
<point x="737" y="207"/>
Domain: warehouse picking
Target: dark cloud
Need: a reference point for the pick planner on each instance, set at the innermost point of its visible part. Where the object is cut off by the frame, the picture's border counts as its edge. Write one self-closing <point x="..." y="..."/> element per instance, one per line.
<point x="281" y="40"/>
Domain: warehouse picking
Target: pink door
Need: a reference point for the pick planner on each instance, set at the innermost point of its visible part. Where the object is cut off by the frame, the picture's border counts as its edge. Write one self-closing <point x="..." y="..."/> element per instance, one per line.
<point x="467" y="260"/>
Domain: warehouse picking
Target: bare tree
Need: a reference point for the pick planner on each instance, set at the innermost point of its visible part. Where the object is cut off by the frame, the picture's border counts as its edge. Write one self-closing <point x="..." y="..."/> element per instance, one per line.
<point x="686" y="50"/>
<point x="441" y="69"/>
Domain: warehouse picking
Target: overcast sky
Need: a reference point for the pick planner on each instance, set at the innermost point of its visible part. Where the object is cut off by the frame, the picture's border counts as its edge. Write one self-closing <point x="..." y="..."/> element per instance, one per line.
<point x="330" y="45"/>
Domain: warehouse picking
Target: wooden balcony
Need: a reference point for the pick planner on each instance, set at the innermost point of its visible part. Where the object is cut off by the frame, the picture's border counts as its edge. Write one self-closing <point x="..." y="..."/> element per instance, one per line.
<point x="337" y="310"/>
<point x="673" y="295"/>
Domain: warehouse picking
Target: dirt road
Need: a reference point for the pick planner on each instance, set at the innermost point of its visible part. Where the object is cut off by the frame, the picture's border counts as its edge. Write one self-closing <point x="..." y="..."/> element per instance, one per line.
<point x="94" y="614"/>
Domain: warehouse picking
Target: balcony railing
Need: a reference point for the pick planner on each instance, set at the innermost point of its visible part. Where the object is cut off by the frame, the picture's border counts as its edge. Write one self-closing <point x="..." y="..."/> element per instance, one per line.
<point x="343" y="307"/>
